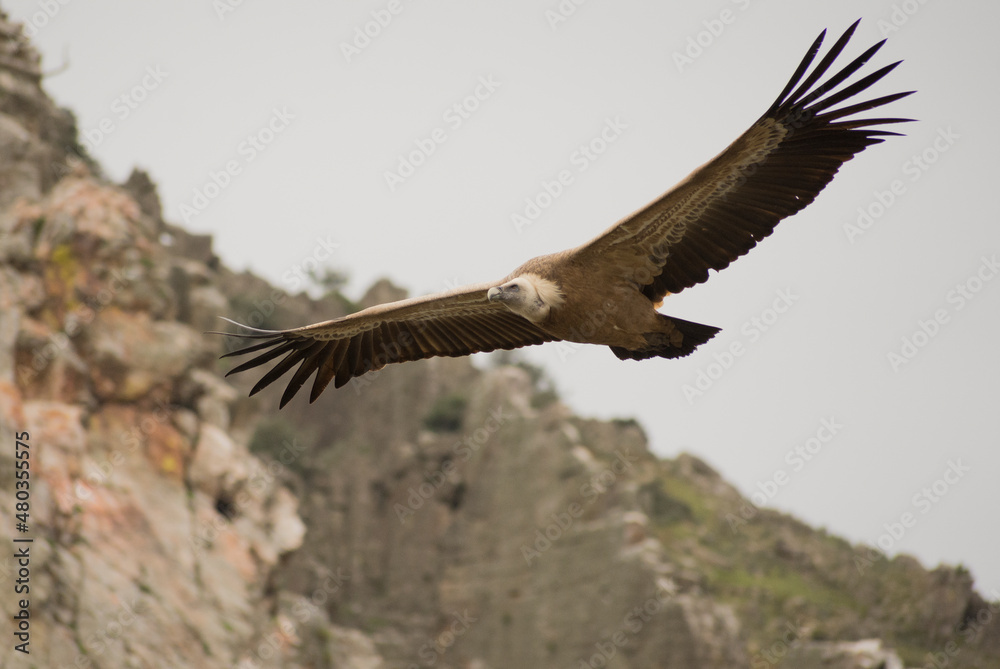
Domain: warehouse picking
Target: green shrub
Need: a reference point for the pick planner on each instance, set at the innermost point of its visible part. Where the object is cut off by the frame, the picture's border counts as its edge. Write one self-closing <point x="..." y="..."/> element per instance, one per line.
<point x="447" y="413"/>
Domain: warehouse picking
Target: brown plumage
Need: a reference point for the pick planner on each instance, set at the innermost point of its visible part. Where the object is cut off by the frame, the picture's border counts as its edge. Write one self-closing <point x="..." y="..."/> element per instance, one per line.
<point x="607" y="290"/>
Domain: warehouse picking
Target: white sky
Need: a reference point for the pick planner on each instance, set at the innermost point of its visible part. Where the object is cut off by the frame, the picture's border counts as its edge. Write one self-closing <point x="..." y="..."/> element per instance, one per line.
<point x="321" y="177"/>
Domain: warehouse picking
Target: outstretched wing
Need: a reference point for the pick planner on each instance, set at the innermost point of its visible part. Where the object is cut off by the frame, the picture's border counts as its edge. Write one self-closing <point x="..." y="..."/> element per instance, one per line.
<point x="453" y="324"/>
<point x="773" y="170"/>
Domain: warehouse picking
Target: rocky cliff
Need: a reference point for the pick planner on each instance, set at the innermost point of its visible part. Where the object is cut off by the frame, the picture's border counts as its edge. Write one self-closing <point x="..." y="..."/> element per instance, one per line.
<point x="431" y="514"/>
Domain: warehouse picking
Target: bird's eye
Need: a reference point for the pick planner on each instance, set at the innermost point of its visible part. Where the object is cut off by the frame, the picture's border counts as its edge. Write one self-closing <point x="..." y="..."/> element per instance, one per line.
<point x="514" y="288"/>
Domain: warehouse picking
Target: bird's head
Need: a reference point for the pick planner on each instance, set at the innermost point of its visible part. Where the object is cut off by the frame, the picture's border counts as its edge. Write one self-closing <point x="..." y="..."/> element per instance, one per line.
<point x="527" y="295"/>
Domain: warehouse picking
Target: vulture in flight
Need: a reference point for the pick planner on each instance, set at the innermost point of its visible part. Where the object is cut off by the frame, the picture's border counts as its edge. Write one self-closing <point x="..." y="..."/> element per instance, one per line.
<point x="608" y="290"/>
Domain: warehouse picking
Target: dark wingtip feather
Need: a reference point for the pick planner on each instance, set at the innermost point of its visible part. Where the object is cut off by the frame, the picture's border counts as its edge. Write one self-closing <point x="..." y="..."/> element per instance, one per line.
<point x="799" y="72"/>
<point x="311" y="359"/>
<point x="279" y="348"/>
<point x="251" y="348"/>
<point x="812" y="100"/>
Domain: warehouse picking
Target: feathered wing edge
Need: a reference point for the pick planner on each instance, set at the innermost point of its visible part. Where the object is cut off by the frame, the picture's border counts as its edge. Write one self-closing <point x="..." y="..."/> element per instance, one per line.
<point x="341" y="349"/>
<point x="724" y="208"/>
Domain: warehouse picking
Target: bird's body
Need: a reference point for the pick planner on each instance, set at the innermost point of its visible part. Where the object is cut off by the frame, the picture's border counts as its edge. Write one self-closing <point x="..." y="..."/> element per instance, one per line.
<point x="607" y="291"/>
<point x="614" y="313"/>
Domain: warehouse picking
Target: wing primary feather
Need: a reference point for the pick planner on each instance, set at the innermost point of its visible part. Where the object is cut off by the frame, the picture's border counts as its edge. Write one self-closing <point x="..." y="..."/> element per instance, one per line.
<point x="824" y="64"/>
<point x="293" y="358"/>
<point x="805" y="98"/>
<point x="854" y="88"/>
<point x="865" y="106"/>
<point x="351" y="362"/>
<point x="311" y="359"/>
<point x="251" y="349"/>
<point x="343" y="367"/>
<point x="799" y="71"/>
<point x="283" y="347"/>
<point x="366" y="353"/>
<point x="327" y="369"/>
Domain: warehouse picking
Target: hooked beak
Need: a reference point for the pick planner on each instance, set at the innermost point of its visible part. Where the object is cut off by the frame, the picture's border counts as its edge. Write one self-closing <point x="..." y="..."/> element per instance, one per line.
<point x="494" y="294"/>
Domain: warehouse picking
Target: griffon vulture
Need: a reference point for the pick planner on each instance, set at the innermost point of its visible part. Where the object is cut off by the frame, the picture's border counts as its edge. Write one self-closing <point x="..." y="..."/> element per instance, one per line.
<point x="607" y="291"/>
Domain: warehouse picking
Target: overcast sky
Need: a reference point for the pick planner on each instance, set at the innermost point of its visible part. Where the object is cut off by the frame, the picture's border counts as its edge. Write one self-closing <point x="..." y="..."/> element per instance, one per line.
<point x="867" y="323"/>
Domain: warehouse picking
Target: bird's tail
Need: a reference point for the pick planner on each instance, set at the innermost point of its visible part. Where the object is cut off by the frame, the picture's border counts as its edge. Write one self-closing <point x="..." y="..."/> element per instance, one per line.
<point x="677" y="339"/>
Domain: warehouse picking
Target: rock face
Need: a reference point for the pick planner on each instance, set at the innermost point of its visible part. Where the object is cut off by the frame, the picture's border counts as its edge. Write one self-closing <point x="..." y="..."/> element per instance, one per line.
<point x="512" y="539"/>
<point x="37" y="139"/>
<point x="154" y="532"/>
<point x="427" y="515"/>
